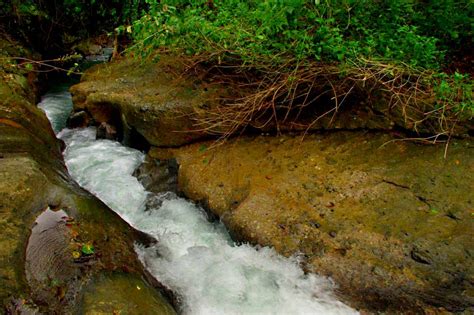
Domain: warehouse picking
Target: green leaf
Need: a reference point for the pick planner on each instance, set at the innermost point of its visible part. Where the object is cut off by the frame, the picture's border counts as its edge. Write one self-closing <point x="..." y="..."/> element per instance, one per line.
<point x="87" y="249"/>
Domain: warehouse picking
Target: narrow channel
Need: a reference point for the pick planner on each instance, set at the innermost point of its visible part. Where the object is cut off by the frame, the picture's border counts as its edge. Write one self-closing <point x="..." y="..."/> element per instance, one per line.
<point x="197" y="259"/>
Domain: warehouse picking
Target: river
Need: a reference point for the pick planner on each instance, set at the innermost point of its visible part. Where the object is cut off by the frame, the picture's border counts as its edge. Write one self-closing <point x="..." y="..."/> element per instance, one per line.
<point x="194" y="257"/>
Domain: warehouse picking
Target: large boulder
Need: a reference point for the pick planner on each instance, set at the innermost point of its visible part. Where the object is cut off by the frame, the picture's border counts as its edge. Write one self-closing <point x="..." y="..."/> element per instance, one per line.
<point x="145" y="98"/>
<point x="57" y="240"/>
<point x="390" y="221"/>
<point x="170" y="108"/>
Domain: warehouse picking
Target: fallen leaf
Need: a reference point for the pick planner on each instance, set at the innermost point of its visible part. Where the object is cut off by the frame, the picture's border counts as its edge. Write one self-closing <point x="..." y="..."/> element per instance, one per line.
<point x="87" y="249"/>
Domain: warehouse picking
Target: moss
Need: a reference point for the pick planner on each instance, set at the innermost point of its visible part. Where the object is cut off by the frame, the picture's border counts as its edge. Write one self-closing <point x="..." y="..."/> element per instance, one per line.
<point x="123" y="294"/>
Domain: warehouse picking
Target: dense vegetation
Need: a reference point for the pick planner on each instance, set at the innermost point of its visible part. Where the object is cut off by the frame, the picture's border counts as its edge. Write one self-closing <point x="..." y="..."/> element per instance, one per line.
<point x="418" y="33"/>
<point x="281" y="55"/>
<point x="408" y="49"/>
<point x="52" y="27"/>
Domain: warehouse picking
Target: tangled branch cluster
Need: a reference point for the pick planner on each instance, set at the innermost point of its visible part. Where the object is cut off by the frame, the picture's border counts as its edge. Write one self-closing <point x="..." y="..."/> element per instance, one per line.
<point x="271" y="97"/>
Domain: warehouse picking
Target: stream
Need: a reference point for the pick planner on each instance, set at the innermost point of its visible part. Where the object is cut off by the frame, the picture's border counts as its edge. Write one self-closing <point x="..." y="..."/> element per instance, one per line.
<point x="195" y="258"/>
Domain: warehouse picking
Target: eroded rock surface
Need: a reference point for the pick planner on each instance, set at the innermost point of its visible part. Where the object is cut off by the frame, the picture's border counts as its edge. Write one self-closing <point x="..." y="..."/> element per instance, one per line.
<point x="149" y="98"/>
<point x="390" y="221"/>
<point x="55" y="238"/>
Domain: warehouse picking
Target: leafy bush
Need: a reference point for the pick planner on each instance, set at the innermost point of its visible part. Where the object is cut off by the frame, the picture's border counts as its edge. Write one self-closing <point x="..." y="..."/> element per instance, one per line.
<point x="407" y="31"/>
<point x="454" y="91"/>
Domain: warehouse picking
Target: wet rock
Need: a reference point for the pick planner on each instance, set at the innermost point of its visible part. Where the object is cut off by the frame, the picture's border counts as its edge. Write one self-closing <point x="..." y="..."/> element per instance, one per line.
<point x="88" y="47"/>
<point x="149" y="99"/>
<point x="418" y="255"/>
<point x="49" y="265"/>
<point x="55" y="238"/>
<point x="169" y="107"/>
<point x="158" y="175"/>
<point x="95" y="49"/>
<point x="124" y="294"/>
<point x="78" y="119"/>
<point x="396" y="248"/>
<point x="155" y="200"/>
<point x="106" y="131"/>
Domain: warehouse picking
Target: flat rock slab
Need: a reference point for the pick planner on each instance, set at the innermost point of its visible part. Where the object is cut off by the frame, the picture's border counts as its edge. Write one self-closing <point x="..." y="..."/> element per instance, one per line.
<point x="390" y="221"/>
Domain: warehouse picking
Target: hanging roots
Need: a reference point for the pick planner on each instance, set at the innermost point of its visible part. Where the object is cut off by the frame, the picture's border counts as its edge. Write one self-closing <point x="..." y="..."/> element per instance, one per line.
<point x="270" y="97"/>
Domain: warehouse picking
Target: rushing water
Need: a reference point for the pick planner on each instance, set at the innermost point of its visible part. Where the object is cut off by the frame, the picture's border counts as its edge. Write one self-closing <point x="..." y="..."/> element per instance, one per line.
<point x="195" y="258"/>
<point x="57" y="104"/>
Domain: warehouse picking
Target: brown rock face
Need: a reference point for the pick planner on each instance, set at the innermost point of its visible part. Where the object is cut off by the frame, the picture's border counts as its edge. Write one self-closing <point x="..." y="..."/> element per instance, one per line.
<point x="169" y="107"/>
<point x="147" y="98"/>
<point x="56" y="238"/>
<point x="390" y="222"/>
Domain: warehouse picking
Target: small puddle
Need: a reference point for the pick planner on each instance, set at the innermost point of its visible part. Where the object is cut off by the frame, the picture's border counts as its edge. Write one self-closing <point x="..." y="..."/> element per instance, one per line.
<point x="49" y="263"/>
<point x="47" y="220"/>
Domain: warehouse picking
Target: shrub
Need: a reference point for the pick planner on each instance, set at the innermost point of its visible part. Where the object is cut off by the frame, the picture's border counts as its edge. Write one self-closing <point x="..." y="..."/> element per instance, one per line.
<point x="398" y="30"/>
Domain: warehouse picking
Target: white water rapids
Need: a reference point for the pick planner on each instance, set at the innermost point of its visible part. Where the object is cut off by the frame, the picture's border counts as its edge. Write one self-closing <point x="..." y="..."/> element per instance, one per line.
<point x="195" y="258"/>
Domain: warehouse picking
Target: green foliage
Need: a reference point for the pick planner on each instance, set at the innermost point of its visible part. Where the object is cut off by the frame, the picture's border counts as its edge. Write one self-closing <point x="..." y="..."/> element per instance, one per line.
<point x="454" y="91"/>
<point x="413" y="35"/>
<point x="330" y="31"/>
<point x="87" y="249"/>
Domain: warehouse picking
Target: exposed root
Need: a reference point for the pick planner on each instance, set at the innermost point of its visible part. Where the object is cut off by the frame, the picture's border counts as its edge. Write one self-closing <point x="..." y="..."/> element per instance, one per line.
<point x="298" y="95"/>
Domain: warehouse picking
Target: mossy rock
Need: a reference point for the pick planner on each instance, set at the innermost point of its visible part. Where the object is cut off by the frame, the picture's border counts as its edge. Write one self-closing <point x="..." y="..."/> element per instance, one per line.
<point x="56" y="239"/>
<point x="146" y="98"/>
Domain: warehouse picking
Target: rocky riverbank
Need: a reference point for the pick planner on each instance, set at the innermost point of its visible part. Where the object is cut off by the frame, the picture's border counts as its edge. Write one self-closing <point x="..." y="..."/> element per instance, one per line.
<point x="390" y="221"/>
<point x="57" y="240"/>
